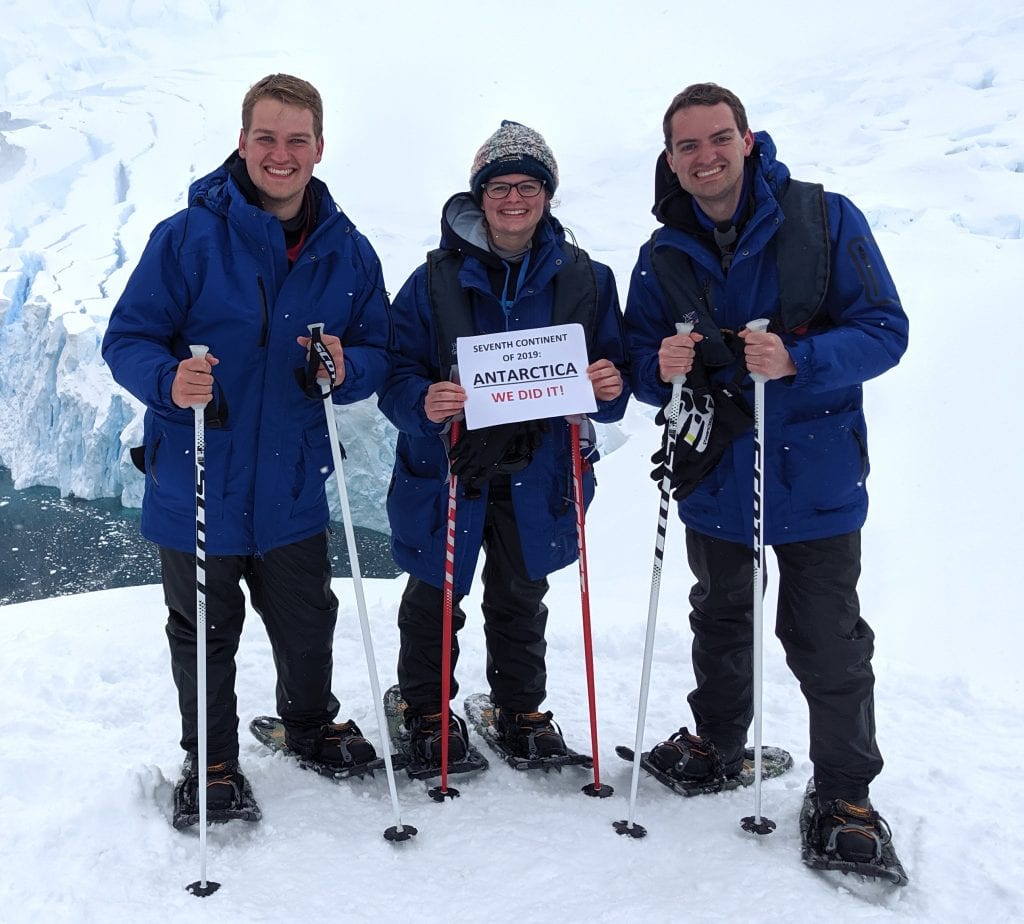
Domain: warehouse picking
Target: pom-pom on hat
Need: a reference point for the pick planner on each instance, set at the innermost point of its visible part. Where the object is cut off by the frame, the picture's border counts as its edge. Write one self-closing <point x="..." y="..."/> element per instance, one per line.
<point x="513" y="148"/>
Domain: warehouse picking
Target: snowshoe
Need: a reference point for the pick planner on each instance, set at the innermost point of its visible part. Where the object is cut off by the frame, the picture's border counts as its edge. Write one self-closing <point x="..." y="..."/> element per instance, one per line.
<point x="341" y="752"/>
<point x="525" y="741"/>
<point x="690" y="759"/>
<point x="418" y="741"/>
<point x="703" y="771"/>
<point x="228" y="795"/>
<point x="848" y="838"/>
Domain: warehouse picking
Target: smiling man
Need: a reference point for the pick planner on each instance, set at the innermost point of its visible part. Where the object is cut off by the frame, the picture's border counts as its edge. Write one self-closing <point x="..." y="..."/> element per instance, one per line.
<point x="280" y="144"/>
<point x="261" y="252"/>
<point x="741" y="240"/>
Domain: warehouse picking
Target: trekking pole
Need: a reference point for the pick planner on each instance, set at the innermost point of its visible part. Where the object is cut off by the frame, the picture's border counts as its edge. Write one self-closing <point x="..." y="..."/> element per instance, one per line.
<point x="444" y="791"/>
<point x="755" y="824"/>
<point x="202" y="887"/>
<point x="398" y="832"/>
<point x="594" y="789"/>
<point x="627" y="826"/>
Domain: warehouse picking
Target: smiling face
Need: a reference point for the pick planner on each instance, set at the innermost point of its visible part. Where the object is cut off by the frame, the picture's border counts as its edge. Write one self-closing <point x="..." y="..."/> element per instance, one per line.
<point x="707" y="153"/>
<point x="511" y="221"/>
<point x="280" y="150"/>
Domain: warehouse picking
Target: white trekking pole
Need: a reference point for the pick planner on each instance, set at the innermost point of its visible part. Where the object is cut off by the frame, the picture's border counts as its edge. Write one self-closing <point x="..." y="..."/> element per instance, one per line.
<point x="398" y="832"/>
<point x="627" y="826"/>
<point x="202" y="887"/>
<point x="755" y="823"/>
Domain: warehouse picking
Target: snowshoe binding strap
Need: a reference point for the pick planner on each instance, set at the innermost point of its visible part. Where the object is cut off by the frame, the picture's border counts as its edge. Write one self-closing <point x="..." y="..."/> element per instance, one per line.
<point x="689" y="758"/>
<point x="533" y="735"/>
<point x="847" y="830"/>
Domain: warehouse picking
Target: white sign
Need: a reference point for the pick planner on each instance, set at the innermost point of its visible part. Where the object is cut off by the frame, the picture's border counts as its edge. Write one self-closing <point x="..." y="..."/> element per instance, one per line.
<point x="525" y="375"/>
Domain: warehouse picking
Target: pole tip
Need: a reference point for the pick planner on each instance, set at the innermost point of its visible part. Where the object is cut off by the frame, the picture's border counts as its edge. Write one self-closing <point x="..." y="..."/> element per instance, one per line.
<point x="632" y="830"/>
<point x="439" y="794"/>
<point x="757" y="825"/>
<point x="201" y="889"/>
<point x="394" y="835"/>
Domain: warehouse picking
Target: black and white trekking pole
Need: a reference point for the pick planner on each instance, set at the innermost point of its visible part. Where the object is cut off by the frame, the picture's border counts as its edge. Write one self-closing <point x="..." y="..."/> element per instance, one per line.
<point x="627" y="826"/>
<point x="202" y="887"/>
<point x="755" y="823"/>
<point x="398" y="832"/>
<point x="443" y="790"/>
<point x="595" y="789"/>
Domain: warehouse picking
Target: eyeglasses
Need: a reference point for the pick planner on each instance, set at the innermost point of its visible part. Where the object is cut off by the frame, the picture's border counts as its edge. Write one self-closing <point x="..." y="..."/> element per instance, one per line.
<point x="526" y="188"/>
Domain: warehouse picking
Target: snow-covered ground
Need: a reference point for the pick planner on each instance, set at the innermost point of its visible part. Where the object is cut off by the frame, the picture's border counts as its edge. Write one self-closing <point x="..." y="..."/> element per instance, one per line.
<point x="912" y="109"/>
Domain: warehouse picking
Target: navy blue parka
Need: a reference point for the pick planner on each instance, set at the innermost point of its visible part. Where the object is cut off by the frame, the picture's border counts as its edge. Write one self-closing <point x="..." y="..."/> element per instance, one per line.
<point x="542" y="492"/>
<point x="816" y="453"/>
<point x="217" y="273"/>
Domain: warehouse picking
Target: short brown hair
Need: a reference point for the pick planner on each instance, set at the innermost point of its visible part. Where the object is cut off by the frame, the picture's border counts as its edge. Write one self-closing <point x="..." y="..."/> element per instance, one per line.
<point x="703" y="94"/>
<point x="293" y="91"/>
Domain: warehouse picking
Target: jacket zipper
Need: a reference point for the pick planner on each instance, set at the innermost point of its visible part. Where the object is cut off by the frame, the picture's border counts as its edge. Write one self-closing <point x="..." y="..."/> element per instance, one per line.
<point x="266" y="313"/>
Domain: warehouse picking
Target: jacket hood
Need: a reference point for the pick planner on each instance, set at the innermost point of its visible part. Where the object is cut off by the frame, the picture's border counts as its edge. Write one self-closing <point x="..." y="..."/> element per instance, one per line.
<point x="673" y="206"/>
<point x="463" y="229"/>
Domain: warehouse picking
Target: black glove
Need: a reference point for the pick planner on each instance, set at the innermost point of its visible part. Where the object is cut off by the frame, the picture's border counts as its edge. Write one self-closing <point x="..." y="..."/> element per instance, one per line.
<point x="481" y="454"/>
<point x="713" y="418"/>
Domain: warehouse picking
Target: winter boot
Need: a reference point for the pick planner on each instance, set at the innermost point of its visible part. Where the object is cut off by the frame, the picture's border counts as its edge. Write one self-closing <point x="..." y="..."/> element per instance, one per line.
<point x="224" y="785"/>
<point x="425" y="738"/>
<point x="690" y="759"/>
<point x="340" y="745"/>
<point x="851" y="831"/>
<point x="228" y="794"/>
<point x="530" y="735"/>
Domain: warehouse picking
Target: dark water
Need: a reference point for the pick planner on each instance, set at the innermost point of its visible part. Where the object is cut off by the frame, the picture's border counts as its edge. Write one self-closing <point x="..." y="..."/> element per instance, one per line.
<point x="51" y="546"/>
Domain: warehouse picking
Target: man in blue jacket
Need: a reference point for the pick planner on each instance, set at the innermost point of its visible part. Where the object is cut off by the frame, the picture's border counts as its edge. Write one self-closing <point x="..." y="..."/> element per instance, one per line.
<point x="742" y="241"/>
<point x="504" y="265"/>
<point x="261" y="252"/>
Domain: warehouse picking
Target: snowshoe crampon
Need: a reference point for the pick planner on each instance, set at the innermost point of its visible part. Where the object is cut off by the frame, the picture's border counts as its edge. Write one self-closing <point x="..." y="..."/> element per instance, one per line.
<point x="480" y="714"/>
<point x="885" y="864"/>
<point x="774" y="762"/>
<point x="417" y="766"/>
<point x="269" y="730"/>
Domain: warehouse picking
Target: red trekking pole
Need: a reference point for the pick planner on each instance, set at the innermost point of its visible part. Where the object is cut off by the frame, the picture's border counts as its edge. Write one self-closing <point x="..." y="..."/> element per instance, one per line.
<point x="442" y="792"/>
<point x="595" y="789"/>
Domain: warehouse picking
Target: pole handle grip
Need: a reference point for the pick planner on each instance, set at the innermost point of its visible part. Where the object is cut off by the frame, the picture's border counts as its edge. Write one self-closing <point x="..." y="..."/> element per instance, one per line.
<point x="758" y="326"/>
<point x="682" y="327"/>
<point x="318" y="325"/>
<point x="199" y="351"/>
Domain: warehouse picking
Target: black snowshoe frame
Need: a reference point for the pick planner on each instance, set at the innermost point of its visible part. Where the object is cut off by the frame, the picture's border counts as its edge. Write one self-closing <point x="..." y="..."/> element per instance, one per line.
<point x="480" y="714"/>
<point x="886" y="865"/>
<point x="774" y="762"/>
<point x="415" y="766"/>
<point x="269" y="731"/>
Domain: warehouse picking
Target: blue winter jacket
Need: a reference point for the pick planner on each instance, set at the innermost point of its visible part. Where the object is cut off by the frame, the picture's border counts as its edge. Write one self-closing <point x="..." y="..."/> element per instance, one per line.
<point x="816" y="452"/>
<point x="217" y="273"/>
<point x="541" y="493"/>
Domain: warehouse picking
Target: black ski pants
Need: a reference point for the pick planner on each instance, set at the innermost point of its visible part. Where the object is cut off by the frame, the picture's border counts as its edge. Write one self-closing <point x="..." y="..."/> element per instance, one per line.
<point x="515" y="618"/>
<point x="828" y="647"/>
<point x="290" y="588"/>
